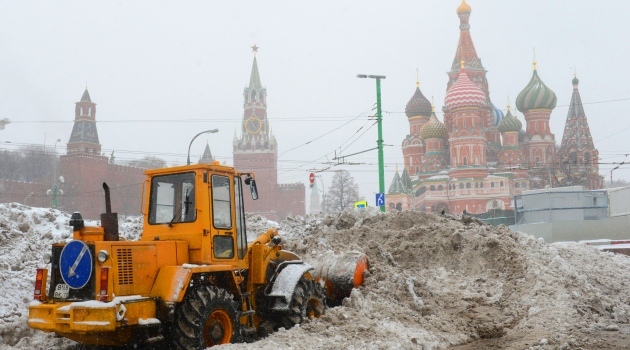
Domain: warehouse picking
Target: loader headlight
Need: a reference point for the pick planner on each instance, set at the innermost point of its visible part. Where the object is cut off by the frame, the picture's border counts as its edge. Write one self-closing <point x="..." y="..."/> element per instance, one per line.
<point x="102" y="256"/>
<point x="47" y="258"/>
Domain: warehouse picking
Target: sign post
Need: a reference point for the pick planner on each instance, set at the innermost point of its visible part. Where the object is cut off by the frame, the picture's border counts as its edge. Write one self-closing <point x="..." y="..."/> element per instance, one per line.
<point x="380" y="200"/>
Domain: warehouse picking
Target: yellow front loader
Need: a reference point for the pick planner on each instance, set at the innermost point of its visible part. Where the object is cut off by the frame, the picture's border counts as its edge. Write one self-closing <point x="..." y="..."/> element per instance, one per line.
<point x="191" y="281"/>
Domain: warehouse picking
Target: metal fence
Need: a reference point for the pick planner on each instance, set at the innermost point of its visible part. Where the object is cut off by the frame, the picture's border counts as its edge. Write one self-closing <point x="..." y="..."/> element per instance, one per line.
<point x="559" y="204"/>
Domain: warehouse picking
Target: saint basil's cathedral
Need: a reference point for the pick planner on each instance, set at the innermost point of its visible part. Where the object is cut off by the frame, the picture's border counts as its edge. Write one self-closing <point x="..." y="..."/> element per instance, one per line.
<point x="479" y="158"/>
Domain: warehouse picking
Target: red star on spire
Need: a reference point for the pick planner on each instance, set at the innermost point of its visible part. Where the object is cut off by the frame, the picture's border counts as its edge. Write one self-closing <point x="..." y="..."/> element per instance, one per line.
<point x="254" y="49"/>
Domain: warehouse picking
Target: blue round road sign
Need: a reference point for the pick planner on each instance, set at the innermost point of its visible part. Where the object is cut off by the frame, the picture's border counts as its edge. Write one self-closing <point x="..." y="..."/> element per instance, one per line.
<point x="75" y="264"/>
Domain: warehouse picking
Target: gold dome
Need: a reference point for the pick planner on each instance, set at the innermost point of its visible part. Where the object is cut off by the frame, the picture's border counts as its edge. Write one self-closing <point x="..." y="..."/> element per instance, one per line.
<point x="464" y="8"/>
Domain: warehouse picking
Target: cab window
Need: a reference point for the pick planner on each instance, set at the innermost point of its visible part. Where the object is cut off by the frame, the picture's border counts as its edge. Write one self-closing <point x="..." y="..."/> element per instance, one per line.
<point x="172" y="199"/>
<point x="221" y="203"/>
<point x="223" y="247"/>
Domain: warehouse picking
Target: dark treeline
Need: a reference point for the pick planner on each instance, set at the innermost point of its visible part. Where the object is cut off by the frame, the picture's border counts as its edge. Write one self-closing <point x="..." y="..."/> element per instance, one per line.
<point x="28" y="164"/>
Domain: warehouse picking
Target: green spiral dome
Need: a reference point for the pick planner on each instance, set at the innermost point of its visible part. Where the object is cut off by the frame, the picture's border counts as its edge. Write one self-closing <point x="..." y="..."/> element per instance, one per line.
<point x="536" y="95"/>
<point x="510" y="123"/>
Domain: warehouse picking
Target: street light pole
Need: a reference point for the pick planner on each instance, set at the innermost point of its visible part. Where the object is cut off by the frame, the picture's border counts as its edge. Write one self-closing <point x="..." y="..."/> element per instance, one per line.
<point x="193" y="139"/>
<point x="379" y="141"/>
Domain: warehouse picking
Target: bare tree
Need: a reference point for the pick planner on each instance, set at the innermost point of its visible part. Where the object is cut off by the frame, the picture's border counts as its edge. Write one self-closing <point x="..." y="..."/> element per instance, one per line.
<point x="148" y="162"/>
<point x="342" y="194"/>
<point x="29" y="163"/>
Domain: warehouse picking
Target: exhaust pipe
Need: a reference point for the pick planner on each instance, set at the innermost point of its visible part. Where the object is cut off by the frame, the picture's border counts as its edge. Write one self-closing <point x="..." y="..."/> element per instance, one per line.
<point x="109" y="220"/>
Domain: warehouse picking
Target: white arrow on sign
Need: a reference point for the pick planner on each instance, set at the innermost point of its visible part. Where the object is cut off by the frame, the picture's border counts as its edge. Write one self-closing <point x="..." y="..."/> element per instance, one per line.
<point x="76" y="262"/>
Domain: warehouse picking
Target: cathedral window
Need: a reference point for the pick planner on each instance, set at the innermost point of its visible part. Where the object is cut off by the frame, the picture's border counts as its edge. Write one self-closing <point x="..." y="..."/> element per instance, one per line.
<point x="90" y="111"/>
<point x="468" y="185"/>
<point x="492" y="184"/>
<point x="523" y="184"/>
<point x="461" y="185"/>
<point x="516" y="185"/>
<point x="80" y="110"/>
<point x="501" y="184"/>
<point x="432" y="188"/>
<point x="440" y="188"/>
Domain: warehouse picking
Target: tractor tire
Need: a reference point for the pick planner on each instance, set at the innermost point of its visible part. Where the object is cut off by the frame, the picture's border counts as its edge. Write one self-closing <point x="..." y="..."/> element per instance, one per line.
<point x="207" y="316"/>
<point x="308" y="301"/>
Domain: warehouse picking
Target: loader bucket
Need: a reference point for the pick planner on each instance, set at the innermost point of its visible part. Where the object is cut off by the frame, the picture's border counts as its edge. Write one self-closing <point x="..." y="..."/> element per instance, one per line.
<point x="341" y="272"/>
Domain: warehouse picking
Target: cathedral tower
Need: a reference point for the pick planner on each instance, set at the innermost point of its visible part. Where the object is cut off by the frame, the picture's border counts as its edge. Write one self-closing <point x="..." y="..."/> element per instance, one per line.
<point x="418" y="111"/>
<point x="577" y="157"/>
<point x="536" y="102"/>
<point x="465" y="103"/>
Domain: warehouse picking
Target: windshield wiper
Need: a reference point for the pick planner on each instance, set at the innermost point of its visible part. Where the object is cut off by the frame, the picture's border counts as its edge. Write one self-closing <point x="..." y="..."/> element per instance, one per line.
<point x="179" y="208"/>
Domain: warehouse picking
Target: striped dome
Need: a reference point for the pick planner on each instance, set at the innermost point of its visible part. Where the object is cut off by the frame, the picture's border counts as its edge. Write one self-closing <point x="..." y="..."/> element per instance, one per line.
<point x="433" y="129"/>
<point x="497" y="115"/>
<point x="510" y="123"/>
<point x="418" y="105"/>
<point x="464" y="93"/>
<point x="536" y="95"/>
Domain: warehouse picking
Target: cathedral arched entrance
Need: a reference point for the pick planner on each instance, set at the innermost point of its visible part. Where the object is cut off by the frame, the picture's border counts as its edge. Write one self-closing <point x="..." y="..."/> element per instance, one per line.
<point x="439" y="207"/>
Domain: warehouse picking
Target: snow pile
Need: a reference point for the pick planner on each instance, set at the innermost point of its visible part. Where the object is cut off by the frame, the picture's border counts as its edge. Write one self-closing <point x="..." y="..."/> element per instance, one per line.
<point x="434" y="282"/>
<point x="26" y="234"/>
<point x="438" y="281"/>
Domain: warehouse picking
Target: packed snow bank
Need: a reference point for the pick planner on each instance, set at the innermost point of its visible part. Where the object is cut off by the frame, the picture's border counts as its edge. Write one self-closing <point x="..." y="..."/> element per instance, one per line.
<point x="435" y="281"/>
<point x="438" y="281"/>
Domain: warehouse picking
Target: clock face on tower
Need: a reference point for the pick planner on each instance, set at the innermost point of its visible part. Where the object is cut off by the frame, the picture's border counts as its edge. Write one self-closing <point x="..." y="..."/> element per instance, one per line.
<point x="253" y="125"/>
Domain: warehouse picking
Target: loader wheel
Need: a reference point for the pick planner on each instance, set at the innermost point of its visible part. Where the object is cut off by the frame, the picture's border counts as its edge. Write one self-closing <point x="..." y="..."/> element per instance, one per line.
<point x="207" y="316"/>
<point x="308" y="302"/>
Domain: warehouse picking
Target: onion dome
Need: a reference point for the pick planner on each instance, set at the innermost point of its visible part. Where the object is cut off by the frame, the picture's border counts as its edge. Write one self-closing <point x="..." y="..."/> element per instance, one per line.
<point x="536" y="95"/>
<point x="575" y="81"/>
<point x="497" y="115"/>
<point x="464" y="93"/>
<point x="433" y="129"/>
<point x="510" y="123"/>
<point x="418" y="105"/>
<point x="464" y="8"/>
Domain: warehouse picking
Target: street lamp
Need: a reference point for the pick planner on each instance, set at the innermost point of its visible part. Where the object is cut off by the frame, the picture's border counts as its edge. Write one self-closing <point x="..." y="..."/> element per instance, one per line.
<point x="55" y="188"/>
<point x="4" y="122"/>
<point x="193" y="139"/>
<point x="379" y="141"/>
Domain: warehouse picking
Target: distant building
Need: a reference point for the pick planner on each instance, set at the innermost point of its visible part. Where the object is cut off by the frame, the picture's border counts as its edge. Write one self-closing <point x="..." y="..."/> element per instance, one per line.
<point x="207" y="157"/>
<point x="256" y="150"/>
<point x="84" y="170"/>
<point x="315" y="203"/>
<point x="479" y="158"/>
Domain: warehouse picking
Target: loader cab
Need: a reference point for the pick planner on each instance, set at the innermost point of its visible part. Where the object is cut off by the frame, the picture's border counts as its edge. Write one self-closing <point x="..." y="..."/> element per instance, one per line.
<point x="203" y="205"/>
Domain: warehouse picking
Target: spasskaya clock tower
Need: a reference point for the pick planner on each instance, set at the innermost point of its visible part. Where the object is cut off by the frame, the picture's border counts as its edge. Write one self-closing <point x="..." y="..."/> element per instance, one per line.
<point x="256" y="149"/>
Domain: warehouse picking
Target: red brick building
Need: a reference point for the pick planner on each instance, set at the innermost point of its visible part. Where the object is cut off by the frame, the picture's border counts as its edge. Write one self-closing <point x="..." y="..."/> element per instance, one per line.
<point x="256" y="150"/>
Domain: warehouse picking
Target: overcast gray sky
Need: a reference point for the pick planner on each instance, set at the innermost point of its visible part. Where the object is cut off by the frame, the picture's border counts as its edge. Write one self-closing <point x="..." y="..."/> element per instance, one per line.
<point x="160" y="72"/>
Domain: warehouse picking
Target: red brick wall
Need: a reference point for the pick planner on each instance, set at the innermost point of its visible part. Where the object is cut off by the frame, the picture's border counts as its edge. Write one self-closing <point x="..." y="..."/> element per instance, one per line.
<point x="83" y="186"/>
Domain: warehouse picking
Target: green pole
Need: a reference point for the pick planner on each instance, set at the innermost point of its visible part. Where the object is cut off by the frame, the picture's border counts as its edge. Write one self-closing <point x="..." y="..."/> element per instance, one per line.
<point x="379" y="142"/>
<point x="54" y="195"/>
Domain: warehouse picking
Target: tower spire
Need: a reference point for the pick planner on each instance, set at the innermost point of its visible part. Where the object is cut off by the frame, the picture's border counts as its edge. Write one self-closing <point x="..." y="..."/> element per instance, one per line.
<point x="417" y="77"/>
<point x="254" y="78"/>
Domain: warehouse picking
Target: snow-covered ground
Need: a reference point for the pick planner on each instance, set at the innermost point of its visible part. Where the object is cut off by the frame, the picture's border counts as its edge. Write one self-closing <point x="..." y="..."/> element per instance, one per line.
<point x="435" y="282"/>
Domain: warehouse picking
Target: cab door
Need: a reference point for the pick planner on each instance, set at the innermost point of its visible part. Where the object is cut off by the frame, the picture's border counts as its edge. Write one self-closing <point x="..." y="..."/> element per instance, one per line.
<point x="222" y="218"/>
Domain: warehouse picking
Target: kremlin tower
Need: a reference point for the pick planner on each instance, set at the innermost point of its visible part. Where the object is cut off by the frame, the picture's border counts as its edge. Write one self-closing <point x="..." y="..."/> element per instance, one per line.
<point x="256" y="150"/>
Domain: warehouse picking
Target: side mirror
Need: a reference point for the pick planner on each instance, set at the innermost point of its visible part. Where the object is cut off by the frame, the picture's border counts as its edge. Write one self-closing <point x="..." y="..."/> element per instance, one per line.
<point x="253" y="188"/>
